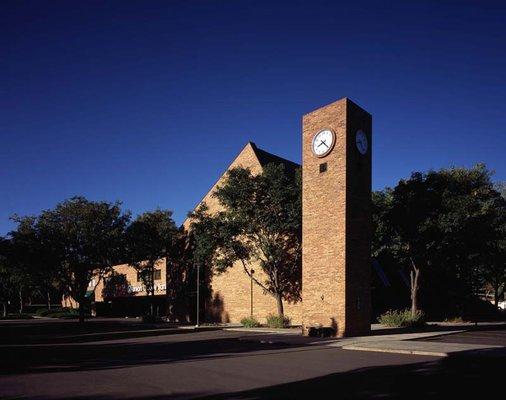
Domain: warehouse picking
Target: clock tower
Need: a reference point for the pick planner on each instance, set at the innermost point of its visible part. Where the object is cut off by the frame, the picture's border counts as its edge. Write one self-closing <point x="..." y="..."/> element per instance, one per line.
<point x="336" y="219"/>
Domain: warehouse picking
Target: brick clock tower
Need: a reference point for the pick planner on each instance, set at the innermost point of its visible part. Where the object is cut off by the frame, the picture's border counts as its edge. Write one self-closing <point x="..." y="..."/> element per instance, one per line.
<point x="336" y="219"/>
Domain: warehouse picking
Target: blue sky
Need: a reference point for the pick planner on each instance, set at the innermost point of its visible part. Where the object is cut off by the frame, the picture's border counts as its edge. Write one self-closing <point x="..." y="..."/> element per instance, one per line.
<point x="148" y="102"/>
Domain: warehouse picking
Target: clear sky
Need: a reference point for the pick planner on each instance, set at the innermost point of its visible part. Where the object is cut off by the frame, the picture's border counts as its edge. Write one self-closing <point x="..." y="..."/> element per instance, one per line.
<point x="148" y="102"/>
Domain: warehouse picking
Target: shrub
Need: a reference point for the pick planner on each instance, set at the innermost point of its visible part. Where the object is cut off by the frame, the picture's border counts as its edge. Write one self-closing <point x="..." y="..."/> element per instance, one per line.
<point x="250" y="322"/>
<point x="17" y="316"/>
<point x="63" y="313"/>
<point x="275" y="321"/>
<point x="402" y="318"/>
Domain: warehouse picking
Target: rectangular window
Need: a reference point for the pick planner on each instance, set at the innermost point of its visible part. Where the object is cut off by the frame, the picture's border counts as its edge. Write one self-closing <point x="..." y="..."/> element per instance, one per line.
<point x="323" y="167"/>
<point x="158" y="274"/>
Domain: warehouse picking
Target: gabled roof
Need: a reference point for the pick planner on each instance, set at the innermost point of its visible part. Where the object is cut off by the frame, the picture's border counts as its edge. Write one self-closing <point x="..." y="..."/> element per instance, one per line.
<point x="250" y="157"/>
<point x="265" y="158"/>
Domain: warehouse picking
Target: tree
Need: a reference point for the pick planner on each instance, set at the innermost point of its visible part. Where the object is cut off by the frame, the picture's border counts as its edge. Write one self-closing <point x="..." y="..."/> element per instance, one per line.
<point x="116" y="285"/>
<point x="260" y="224"/>
<point x="444" y="224"/>
<point x="6" y="276"/>
<point x="21" y="256"/>
<point x="34" y="258"/>
<point x="86" y="239"/>
<point x="150" y="238"/>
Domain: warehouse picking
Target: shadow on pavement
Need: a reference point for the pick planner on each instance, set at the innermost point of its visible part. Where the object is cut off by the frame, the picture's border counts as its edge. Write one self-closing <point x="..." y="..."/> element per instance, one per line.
<point x="100" y="356"/>
<point x="56" y="332"/>
<point x="464" y="376"/>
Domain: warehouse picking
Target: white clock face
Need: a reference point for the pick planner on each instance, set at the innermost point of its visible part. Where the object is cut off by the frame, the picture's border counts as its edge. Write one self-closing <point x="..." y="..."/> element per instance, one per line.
<point x="323" y="142"/>
<point x="361" y="141"/>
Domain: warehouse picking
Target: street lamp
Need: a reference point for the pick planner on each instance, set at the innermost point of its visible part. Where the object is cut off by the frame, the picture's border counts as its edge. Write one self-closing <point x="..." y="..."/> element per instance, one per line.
<point x="252" y="271"/>
<point x="198" y="295"/>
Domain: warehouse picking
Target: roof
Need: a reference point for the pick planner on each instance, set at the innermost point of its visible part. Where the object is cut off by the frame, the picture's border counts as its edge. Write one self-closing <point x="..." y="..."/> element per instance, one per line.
<point x="265" y="158"/>
<point x="262" y="157"/>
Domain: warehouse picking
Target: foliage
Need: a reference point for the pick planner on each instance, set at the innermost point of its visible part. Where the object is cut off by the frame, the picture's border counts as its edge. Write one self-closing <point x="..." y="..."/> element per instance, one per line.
<point x="150" y="237"/>
<point x="61" y="312"/>
<point x="86" y="240"/>
<point x="6" y="277"/>
<point x="277" y="321"/>
<point x="448" y="228"/>
<point x="116" y="285"/>
<point x="260" y="224"/>
<point x="402" y="318"/>
<point x="250" y="322"/>
<point x="16" y="316"/>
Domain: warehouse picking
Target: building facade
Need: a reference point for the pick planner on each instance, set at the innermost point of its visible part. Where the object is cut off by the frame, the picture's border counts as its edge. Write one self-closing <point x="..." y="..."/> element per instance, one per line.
<point x="336" y="237"/>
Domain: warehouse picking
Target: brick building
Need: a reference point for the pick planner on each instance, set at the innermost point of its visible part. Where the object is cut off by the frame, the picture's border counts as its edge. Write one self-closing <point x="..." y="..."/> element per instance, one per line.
<point x="336" y="235"/>
<point x="231" y="291"/>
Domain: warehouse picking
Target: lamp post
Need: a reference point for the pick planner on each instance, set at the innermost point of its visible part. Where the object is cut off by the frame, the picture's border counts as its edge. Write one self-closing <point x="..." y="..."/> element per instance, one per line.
<point x="251" y="290"/>
<point x="198" y="295"/>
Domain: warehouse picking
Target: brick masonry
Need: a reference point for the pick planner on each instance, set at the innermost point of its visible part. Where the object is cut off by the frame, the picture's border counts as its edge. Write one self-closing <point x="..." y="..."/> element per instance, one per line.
<point x="336" y="234"/>
<point x="231" y="291"/>
<point x="336" y="223"/>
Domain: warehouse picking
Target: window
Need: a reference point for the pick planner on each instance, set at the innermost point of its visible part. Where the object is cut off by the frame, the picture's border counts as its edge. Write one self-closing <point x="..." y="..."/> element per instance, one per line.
<point x="323" y="167"/>
<point x="158" y="274"/>
<point x="144" y="273"/>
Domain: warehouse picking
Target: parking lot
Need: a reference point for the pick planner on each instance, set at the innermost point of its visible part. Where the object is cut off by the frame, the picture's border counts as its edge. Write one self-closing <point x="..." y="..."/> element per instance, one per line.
<point x="125" y="359"/>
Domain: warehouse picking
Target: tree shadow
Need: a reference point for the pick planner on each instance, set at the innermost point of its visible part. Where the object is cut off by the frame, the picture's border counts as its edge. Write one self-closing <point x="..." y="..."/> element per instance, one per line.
<point x="45" y="358"/>
<point x="466" y="375"/>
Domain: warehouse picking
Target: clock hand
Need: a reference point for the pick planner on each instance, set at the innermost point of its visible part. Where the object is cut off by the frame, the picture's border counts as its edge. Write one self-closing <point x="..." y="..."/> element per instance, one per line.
<point x="322" y="142"/>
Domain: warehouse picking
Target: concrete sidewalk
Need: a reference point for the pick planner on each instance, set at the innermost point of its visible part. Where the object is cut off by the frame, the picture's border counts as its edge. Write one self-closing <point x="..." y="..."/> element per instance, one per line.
<point x="418" y="343"/>
<point x="438" y="349"/>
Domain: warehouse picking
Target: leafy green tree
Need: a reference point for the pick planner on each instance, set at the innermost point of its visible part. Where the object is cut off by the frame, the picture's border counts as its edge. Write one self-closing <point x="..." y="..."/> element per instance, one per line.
<point x="260" y="224"/>
<point x="21" y="258"/>
<point x="444" y="225"/>
<point x="6" y="276"/>
<point x="116" y="285"/>
<point x="151" y="237"/>
<point x="34" y="258"/>
<point x="86" y="239"/>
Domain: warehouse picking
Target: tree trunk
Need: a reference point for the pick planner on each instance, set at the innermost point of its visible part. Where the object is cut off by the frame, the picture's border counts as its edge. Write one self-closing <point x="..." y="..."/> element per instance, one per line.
<point x="48" y="300"/>
<point x="279" y="301"/>
<point x="414" y="278"/>
<point x="5" y="309"/>
<point x="82" y="309"/>
<point x="81" y="313"/>
<point x="20" y="293"/>
<point x="496" y="296"/>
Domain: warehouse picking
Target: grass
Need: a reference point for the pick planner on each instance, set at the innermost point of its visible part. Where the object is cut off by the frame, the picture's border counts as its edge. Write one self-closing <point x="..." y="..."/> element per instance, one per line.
<point x="275" y="321"/>
<point x="250" y="322"/>
<point x="16" y="316"/>
<point x="402" y="318"/>
<point x="63" y="313"/>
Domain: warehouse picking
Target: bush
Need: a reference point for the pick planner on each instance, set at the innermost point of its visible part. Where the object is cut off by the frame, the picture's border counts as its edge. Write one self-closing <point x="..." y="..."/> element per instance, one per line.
<point x="63" y="313"/>
<point x="42" y="312"/>
<point x="16" y="316"/>
<point x="275" y="321"/>
<point x="250" y="322"/>
<point x="402" y="318"/>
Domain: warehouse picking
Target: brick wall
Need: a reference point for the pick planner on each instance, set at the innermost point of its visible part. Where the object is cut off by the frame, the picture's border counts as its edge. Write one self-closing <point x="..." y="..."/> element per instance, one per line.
<point x="231" y="291"/>
<point x="336" y="223"/>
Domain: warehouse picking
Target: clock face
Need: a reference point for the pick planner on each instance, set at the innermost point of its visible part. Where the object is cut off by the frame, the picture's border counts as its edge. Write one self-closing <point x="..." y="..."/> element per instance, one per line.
<point x="361" y="142"/>
<point x="323" y="142"/>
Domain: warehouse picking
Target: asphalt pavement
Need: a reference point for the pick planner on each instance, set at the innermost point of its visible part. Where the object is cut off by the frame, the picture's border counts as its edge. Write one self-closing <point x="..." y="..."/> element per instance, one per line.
<point x="118" y="359"/>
